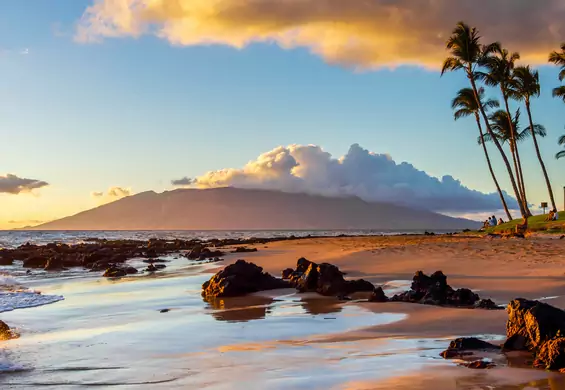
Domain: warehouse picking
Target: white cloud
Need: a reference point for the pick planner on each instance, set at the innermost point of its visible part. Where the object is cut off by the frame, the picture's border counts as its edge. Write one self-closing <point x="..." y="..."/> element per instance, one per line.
<point x="370" y="176"/>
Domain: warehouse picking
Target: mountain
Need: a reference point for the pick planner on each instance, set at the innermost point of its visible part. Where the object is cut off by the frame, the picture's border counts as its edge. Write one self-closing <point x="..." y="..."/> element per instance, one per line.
<point x="245" y="209"/>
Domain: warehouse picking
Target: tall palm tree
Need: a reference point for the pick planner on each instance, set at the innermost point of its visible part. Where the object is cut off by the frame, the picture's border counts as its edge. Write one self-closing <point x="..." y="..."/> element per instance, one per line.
<point x="558" y="58"/>
<point x="526" y="85"/>
<point x="466" y="105"/>
<point x="499" y="65"/>
<point x="465" y="52"/>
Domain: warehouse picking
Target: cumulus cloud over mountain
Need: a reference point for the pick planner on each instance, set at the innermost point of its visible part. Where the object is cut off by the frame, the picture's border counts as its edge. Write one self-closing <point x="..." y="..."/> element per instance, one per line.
<point x="370" y="176"/>
<point x="358" y="33"/>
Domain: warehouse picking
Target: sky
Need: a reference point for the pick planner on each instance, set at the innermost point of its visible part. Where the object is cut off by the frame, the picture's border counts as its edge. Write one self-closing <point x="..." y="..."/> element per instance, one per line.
<point x="108" y="98"/>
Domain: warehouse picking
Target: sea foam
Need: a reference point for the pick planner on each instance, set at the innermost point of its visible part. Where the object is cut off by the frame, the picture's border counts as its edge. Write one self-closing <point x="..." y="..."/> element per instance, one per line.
<point x="23" y="299"/>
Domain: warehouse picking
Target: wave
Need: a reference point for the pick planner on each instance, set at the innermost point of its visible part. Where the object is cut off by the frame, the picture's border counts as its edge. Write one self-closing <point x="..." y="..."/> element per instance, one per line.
<point x="24" y="299"/>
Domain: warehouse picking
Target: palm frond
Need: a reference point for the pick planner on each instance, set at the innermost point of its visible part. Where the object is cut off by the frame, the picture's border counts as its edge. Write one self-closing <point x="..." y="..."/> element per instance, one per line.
<point x="559" y="92"/>
<point x="451" y="64"/>
<point x="561" y="140"/>
<point x="559" y="155"/>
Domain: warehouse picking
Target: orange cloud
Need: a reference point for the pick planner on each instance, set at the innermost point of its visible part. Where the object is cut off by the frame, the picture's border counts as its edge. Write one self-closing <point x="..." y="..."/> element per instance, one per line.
<point x="363" y="34"/>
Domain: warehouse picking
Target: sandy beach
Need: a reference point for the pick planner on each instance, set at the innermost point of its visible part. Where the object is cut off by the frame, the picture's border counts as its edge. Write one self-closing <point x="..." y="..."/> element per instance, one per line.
<point x="496" y="268"/>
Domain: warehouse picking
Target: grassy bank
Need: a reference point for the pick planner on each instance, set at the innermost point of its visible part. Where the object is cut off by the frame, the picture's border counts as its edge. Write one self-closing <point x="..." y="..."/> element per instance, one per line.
<point x="535" y="224"/>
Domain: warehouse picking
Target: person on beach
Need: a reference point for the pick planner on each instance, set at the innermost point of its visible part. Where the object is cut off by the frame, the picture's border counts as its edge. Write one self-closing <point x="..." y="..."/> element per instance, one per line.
<point x="500" y="221"/>
<point x="492" y="221"/>
<point x="555" y="215"/>
<point x="551" y="216"/>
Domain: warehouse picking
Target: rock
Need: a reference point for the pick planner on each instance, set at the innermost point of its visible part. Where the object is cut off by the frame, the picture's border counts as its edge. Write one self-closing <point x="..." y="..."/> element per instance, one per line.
<point x="242" y="249"/>
<point x="6" y="258"/>
<point x="114" y="272"/>
<point x="54" y="264"/>
<point x="471" y="343"/>
<point x="551" y="355"/>
<point x="479" y="365"/>
<point x="378" y="295"/>
<point x="241" y="278"/>
<point x="454" y="353"/>
<point x="487" y="304"/>
<point x="325" y="279"/>
<point x="531" y="323"/>
<point x="434" y="290"/>
<point x="287" y="273"/>
<point x="35" y="262"/>
<point x="130" y="270"/>
<point x="151" y="268"/>
<point x="194" y="254"/>
<point x="5" y="332"/>
<point x="164" y="310"/>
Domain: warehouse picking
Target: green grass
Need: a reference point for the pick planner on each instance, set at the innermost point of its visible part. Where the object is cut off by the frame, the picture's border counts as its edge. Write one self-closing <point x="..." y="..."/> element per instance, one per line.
<point x="535" y="224"/>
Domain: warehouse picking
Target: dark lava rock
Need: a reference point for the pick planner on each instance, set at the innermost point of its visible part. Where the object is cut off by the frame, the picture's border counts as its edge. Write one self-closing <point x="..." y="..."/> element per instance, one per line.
<point x="151" y="268"/>
<point x="164" y="310"/>
<point x="35" y="262"/>
<point x="54" y="264"/>
<point x="287" y="273"/>
<point x="242" y="249"/>
<point x="130" y="270"/>
<point x="551" y="355"/>
<point x="454" y="353"/>
<point x="241" y="278"/>
<point x="194" y="254"/>
<point x="114" y="272"/>
<point x="488" y="305"/>
<point x="378" y="295"/>
<point x="479" y="365"/>
<point x="434" y="290"/>
<point x="531" y="323"/>
<point x="472" y="343"/>
<point x="325" y="279"/>
<point x="461" y="347"/>
<point x="151" y="261"/>
<point x="5" y="332"/>
<point x="6" y="258"/>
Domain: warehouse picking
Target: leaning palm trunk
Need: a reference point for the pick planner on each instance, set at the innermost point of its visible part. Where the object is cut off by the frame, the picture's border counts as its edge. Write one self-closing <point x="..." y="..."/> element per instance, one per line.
<point x="497" y="144"/>
<point x="516" y="156"/>
<point x="542" y="164"/>
<point x="500" y="193"/>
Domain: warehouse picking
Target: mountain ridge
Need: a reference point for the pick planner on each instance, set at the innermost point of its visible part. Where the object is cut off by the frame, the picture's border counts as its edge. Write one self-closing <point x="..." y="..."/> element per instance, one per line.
<point x="230" y="208"/>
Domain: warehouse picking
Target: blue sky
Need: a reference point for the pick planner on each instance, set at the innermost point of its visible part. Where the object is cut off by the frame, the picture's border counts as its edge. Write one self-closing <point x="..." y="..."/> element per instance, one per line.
<point x="138" y="112"/>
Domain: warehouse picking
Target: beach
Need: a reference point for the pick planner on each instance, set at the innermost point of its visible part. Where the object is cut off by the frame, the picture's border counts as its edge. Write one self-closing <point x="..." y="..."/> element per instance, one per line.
<point x="155" y="330"/>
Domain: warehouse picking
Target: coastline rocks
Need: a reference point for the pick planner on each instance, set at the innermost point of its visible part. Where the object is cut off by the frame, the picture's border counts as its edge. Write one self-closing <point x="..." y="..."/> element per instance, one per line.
<point x="479" y="365"/>
<point x="434" y="290"/>
<point x="532" y="323"/>
<point x="35" y="262"/>
<point x="551" y="355"/>
<point x="200" y="252"/>
<point x="286" y="274"/>
<point x="325" y="279"/>
<point x="241" y="278"/>
<point x="243" y="249"/>
<point x="118" y="272"/>
<point x="5" y="332"/>
<point x="54" y="264"/>
<point x="378" y="295"/>
<point x="462" y="346"/>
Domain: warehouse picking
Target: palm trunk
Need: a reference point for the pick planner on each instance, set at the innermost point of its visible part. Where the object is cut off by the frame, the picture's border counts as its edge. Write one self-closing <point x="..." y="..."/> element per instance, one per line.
<point x="547" y="182"/>
<point x="498" y="146"/>
<point x="516" y="155"/>
<point x="492" y="170"/>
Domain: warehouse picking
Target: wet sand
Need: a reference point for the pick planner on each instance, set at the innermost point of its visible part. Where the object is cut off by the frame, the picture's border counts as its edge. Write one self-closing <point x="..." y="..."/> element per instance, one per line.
<point x="111" y="332"/>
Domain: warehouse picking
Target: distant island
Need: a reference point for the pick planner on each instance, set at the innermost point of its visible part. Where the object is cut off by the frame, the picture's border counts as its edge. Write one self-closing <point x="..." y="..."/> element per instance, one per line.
<point x="250" y="209"/>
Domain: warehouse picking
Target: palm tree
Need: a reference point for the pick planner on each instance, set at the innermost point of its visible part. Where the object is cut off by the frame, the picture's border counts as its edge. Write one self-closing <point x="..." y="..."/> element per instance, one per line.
<point x="561" y="142"/>
<point x="499" y="65"/>
<point x="466" y="105"/>
<point x="526" y="85"/>
<point x="558" y="58"/>
<point x="465" y="52"/>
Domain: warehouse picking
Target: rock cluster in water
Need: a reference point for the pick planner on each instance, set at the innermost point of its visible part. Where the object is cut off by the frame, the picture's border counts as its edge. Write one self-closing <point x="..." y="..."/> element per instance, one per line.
<point x="434" y="290"/>
<point x="241" y="278"/>
<point x="533" y="327"/>
<point x="325" y="279"/>
<point x="5" y="332"/>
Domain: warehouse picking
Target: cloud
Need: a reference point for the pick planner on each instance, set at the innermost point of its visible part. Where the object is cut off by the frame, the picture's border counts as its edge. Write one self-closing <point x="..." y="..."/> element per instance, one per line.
<point x="113" y="193"/>
<point x="119" y="192"/>
<point x="370" y="176"/>
<point x="182" y="182"/>
<point x="26" y="222"/>
<point x="358" y="33"/>
<point x="12" y="184"/>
